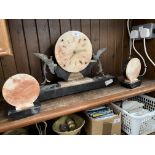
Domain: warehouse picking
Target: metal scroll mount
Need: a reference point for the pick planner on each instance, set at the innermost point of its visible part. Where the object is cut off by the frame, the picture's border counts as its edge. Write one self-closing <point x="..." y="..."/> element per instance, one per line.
<point x="61" y="73"/>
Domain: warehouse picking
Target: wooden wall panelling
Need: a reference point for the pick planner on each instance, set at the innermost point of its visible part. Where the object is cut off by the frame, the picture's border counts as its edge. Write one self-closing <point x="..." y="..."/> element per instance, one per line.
<point x="76" y="24"/>
<point x="44" y="41"/>
<point x="9" y="66"/>
<point x="32" y="47"/>
<point x="104" y="43"/>
<point x="95" y="36"/>
<point x="1" y="77"/>
<point x="43" y="36"/>
<point x="150" y="46"/>
<point x="125" y="43"/>
<point x="18" y="44"/>
<point x="119" y="47"/>
<point x="54" y="27"/>
<point x="85" y="27"/>
<point x="111" y="46"/>
<point x="65" y="25"/>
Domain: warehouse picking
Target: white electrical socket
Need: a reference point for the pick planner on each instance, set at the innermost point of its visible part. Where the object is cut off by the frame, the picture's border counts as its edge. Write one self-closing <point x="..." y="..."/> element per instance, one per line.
<point x="134" y="34"/>
<point x="144" y="33"/>
<point x="150" y="34"/>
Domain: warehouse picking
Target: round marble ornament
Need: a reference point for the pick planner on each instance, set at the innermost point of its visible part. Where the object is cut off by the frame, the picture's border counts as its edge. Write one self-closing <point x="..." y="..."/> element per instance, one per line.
<point x="21" y="90"/>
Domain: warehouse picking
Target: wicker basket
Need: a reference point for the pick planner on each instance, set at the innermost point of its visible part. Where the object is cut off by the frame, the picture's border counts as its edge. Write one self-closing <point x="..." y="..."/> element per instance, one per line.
<point x="78" y="121"/>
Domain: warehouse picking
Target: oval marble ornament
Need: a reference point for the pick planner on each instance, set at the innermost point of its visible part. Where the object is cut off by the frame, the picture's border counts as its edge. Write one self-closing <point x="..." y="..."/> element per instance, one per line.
<point x="133" y="69"/>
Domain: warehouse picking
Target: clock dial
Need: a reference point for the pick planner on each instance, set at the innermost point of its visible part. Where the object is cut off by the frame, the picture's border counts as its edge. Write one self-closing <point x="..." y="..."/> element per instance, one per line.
<point x="73" y="51"/>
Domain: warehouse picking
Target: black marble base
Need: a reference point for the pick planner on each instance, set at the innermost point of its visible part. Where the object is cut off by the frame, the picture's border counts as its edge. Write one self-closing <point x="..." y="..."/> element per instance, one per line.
<point x="131" y="85"/>
<point x="14" y="114"/>
<point x="101" y="81"/>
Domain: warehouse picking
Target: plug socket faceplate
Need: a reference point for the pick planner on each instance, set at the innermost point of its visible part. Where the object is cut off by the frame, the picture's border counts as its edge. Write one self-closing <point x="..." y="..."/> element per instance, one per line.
<point x="150" y="26"/>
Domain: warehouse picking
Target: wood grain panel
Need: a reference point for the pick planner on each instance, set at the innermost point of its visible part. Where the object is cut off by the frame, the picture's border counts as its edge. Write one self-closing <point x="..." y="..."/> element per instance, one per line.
<point x="104" y="43"/>
<point x="18" y="44"/>
<point x="1" y="77"/>
<point x="111" y="46"/>
<point x="9" y="66"/>
<point x="85" y="27"/>
<point x="119" y="47"/>
<point x="44" y="41"/>
<point x="43" y="36"/>
<point x="95" y="34"/>
<point x="125" y="43"/>
<point x="95" y="37"/>
<point x="32" y="47"/>
<point x="65" y="25"/>
<point x="54" y="27"/>
<point x="76" y="24"/>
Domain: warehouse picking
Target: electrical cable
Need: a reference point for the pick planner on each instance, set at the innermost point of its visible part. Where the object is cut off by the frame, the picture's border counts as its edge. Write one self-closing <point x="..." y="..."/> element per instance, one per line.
<point x="131" y="44"/>
<point x="128" y="27"/>
<point x="40" y="131"/>
<point x="145" y="66"/>
<point x="145" y="50"/>
<point x="130" y="41"/>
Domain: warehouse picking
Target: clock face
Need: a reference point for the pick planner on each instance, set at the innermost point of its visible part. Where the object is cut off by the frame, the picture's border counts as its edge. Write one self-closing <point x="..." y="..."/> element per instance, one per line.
<point x="73" y="51"/>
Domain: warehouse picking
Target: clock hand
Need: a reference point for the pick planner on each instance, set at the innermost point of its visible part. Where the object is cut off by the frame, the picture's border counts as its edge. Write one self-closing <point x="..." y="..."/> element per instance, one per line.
<point x="72" y="55"/>
<point x="76" y="52"/>
<point x="80" y="50"/>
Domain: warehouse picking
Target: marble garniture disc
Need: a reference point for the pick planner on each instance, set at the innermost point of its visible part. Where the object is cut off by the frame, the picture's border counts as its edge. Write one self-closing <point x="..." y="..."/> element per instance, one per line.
<point x="73" y="51"/>
<point x="21" y="90"/>
<point x="133" y="69"/>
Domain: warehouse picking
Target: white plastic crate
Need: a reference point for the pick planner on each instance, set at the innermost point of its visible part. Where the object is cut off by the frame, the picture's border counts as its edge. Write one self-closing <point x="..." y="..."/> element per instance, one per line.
<point x="138" y="125"/>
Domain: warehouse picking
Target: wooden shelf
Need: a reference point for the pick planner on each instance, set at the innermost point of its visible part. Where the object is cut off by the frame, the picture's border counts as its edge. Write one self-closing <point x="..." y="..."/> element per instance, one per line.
<point x="75" y="103"/>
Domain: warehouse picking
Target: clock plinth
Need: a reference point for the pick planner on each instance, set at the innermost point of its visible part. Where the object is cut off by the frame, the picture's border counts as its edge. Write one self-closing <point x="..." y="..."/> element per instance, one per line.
<point x="18" y="114"/>
<point x="131" y="85"/>
<point x="75" y="76"/>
